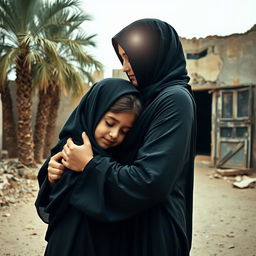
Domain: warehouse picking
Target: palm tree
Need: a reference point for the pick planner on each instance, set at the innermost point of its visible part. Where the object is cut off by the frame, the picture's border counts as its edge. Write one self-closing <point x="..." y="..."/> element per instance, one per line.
<point x="27" y="45"/>
<point x="67" y="70"/>
<point x="9" y="127"/>
<point x="17" y="21"/>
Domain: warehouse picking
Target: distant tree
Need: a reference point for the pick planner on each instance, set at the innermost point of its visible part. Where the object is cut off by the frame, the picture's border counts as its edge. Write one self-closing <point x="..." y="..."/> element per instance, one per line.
<point x="18" y="25"/>
<point x="68" y="70"/>
<point x="9" y="127"/>
<point x="25" y="28"/>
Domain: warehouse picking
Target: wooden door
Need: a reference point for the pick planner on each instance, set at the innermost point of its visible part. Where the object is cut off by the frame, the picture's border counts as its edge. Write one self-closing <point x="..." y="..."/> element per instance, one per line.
<point x="234" y="128"/>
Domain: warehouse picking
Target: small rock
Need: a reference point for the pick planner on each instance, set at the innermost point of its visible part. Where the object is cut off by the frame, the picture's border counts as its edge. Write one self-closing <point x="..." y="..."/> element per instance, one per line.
<point x="6" y="214"/>
<point x="31" y="176"/>
<point x="217" y="176"/>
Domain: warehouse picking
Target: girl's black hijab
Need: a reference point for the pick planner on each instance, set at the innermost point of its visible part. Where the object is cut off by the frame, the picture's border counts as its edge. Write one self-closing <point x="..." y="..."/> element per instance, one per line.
<point x="92" y="108"/>
<point x="85" y="117"/>
<point x="155" y="54"/>
<point x="88" y="113"/>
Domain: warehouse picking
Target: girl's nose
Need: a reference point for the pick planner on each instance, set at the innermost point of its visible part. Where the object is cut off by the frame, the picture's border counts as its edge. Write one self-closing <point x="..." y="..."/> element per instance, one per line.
<point x="126" y="66"/>
<point x="113" y="134"/>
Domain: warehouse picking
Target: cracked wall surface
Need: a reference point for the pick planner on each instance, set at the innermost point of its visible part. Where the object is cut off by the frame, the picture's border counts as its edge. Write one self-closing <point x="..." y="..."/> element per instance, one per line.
<point x="230" y="60"/>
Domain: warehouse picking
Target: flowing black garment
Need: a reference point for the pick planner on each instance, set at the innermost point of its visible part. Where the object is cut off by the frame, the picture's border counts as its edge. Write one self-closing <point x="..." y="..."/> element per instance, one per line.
<point x="141" y="205"/>
<point x="52" y="200"/>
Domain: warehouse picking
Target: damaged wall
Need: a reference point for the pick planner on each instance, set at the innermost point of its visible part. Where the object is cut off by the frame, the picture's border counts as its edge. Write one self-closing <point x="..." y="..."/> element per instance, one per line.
<point x="227" y="60"/>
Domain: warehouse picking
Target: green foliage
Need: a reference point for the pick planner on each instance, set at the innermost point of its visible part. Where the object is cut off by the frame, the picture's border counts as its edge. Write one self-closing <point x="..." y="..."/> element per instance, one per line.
<point x="49" y="33"/>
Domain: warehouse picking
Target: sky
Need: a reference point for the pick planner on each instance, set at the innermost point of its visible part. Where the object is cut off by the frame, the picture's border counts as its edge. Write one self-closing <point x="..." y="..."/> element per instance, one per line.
<point x="191" y="18"/>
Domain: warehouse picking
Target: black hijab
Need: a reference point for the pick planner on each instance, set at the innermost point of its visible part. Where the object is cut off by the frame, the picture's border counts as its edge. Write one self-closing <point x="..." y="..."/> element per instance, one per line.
<point x="85" y="117"/>
<point x="92" y="108"/>
<point x="155" y="53"/>
<point x="157" y="59"/>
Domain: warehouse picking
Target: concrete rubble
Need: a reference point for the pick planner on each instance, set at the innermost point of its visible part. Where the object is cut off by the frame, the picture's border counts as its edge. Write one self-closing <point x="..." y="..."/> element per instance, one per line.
<point x="232" y="176"/>
<point x="17" y="182"/>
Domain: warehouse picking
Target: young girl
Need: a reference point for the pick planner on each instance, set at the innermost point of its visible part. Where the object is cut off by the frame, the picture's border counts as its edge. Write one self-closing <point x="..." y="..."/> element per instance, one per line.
<point x="106" y="114"/>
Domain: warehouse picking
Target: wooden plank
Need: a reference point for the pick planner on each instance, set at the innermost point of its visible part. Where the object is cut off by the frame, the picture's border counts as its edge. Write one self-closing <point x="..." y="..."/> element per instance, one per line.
<point x="234" y="172"/>
<point x="230" y="154"/>
<point x="219" y="87"/>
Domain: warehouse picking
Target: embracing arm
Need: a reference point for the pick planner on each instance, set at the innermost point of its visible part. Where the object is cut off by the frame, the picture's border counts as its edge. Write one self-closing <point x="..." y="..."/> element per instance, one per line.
<point x="109" y="191"/>
<point x="55" y="168"/>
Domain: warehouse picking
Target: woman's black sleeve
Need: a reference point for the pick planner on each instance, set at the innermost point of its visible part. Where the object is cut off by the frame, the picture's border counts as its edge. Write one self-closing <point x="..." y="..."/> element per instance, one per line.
<point x="109" y="191"/>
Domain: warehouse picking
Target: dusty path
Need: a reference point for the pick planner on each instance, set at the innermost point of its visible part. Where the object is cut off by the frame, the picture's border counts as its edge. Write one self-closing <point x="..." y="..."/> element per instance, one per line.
<point x="22" y="233"/>
<point x="224" y="218"/>
<point x="224" y="222"/>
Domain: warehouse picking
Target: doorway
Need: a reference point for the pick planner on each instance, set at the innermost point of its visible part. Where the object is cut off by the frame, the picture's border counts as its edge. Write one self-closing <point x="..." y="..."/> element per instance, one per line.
<point x="203" y="101"/>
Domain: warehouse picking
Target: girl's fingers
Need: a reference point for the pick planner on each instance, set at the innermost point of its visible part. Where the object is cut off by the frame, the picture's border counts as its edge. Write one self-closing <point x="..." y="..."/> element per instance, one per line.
<point x="85" y="138"/>
<point x="54" y="171"/>
<point x="57" y="156"/>
<point x="56" y="165"/>
<point x="69" y="143"/>
<point x="63" y="161"/>
<point x="52" y="178"/>
<point x="64" y="155"/>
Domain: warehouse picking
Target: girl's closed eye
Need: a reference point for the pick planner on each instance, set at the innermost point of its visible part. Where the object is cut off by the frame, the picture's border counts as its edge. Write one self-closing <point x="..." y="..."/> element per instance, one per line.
<point x="109" y="124"/>
<point x="124" y="132"/>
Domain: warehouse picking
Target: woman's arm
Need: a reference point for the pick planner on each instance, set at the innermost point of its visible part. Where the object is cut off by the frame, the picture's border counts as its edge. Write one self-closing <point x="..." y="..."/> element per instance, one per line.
<point x="109" y="191"/>
<point x="76" y="157"/>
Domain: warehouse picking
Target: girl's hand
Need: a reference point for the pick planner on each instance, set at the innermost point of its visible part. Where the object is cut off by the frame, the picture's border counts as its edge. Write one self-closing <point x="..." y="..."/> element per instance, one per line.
<point x="55" y="169"/>
<point x="77" y="157"/>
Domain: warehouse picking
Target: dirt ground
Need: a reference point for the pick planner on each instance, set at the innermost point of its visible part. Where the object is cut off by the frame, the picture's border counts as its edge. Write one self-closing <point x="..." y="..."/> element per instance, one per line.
<point x="224" y="221"/>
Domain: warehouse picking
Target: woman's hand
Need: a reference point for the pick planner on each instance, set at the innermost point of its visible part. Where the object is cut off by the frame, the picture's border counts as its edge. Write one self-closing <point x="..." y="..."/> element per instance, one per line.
<point x="77" y="157"/>
<point x="55" y="169"/>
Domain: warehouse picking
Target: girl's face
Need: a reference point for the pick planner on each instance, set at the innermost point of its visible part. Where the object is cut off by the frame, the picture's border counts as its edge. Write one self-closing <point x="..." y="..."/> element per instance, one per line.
<point x="127" y="68"/>
<point x="112" y="128"/>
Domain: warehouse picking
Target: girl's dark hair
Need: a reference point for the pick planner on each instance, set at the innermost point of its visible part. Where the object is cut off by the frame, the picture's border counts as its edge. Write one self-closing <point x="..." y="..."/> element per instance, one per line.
<point x="127" y="103"/>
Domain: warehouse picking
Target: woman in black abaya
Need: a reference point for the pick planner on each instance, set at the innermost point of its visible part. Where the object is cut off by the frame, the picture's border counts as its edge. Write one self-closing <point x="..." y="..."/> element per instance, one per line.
<point x="141" y="205"/>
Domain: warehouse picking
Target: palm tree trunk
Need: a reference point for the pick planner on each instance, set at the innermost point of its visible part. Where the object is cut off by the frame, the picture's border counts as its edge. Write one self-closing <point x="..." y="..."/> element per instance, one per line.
<point x="24" y="111"/>
<point x="9" y="127"/>
<point x="52" y="120"/>
<point x="41" y="124"/>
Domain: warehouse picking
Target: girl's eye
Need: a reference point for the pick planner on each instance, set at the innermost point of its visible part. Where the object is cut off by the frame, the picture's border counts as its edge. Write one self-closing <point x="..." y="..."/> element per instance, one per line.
<point x="109" y="124"/>
<point x="124" y="132"/>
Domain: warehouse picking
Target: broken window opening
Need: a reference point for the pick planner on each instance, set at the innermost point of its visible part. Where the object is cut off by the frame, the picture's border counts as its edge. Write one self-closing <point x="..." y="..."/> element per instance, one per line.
<point x="198" y="55"/>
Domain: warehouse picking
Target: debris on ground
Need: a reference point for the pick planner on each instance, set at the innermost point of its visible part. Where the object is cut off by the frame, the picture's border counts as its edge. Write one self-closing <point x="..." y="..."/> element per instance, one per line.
<point x="17" y="182"/>
<point x="245" y="182"/>
<point x="235" y="176"/>
<point x="234" y="172"/>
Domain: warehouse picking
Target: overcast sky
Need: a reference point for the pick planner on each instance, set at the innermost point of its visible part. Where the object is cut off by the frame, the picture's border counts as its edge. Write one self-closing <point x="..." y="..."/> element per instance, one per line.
<point x="191" y="18"/>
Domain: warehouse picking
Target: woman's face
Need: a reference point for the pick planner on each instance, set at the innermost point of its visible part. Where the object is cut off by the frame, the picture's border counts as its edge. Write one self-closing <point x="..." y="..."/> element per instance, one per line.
<point x="127" y="66"/>
<point x="112" y="128"/>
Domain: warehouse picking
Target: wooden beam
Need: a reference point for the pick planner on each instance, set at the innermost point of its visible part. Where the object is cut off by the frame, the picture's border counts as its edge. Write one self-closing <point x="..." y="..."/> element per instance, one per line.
<point x="218" y="87"/>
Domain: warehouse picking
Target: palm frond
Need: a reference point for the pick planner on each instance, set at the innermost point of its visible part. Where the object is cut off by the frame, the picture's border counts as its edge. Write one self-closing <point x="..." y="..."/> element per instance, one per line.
<point x="7" y="60"/>
<point x="7" y="18"/>
<point x="33" y="57"/>
<point x="41" y="76"/>
<point x="7" y="37"/>
<point x="85" y="40"/>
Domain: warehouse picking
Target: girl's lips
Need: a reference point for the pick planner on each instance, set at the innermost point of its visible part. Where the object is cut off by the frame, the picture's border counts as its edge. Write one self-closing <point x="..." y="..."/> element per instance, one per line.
<point x="108" y="142"/>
